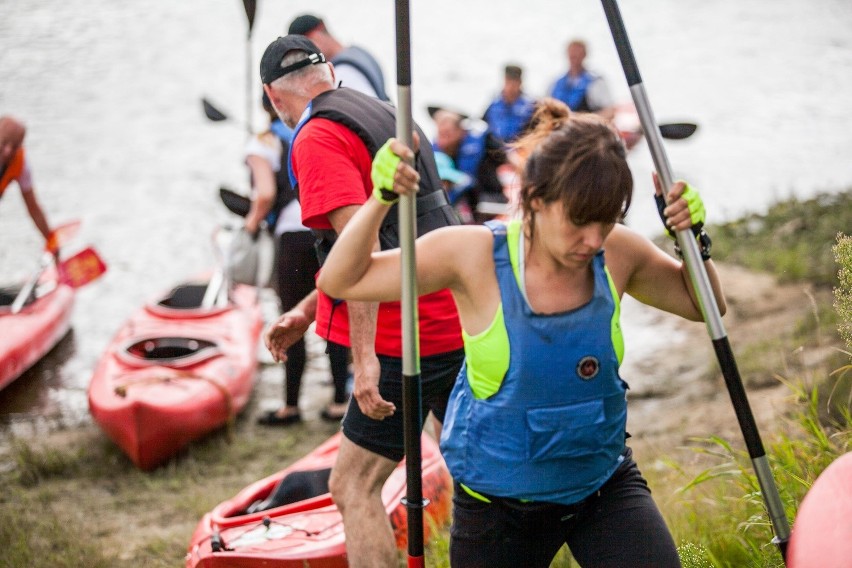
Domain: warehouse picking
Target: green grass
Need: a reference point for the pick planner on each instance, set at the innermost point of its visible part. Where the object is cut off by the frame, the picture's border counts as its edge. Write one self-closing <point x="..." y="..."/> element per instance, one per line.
<point x="57" y="504"/>
<point x="792" y="240"/>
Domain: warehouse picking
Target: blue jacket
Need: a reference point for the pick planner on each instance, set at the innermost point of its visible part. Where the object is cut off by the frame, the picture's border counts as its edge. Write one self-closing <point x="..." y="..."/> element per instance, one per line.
<point x="508" y="120"/>
<point x="573" y="93"/>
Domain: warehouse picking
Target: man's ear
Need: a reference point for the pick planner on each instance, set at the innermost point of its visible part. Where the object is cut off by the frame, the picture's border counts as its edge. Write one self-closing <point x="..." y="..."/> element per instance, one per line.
<point x="333" y="75"/>
<point x="271" y="94"/>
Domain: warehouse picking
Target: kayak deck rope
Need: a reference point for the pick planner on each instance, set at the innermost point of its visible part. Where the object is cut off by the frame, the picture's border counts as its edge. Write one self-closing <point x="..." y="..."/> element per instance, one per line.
<point x="218" y="544"/>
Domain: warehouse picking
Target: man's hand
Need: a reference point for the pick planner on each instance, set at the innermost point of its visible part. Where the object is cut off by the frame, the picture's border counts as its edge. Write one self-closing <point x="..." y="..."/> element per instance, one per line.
<point x="287" y="330"/>
<point x="366" y="391"/>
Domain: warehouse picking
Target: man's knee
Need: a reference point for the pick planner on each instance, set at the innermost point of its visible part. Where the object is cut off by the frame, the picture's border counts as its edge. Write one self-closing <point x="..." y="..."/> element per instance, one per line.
<point x="357" y="474"/>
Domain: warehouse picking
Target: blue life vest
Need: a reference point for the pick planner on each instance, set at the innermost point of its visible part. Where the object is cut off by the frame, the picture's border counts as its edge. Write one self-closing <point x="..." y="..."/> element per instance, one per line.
<point x="284" y="192"/>
<point x="470" y="154"/>
<point x="554" y="428"/>
<point x="573" y="93"/>
<point x="507" y="120"/>
<point x="367" y="65"/>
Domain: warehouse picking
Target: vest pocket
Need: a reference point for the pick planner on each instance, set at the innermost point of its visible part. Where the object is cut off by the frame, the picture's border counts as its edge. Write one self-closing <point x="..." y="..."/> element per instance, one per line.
<point x="570" y="430"/>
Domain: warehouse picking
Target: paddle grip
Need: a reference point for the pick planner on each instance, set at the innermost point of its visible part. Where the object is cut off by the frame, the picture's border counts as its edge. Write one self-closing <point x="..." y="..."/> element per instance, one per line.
<point x="622" y="42"/>
<point x="403" y="44"/>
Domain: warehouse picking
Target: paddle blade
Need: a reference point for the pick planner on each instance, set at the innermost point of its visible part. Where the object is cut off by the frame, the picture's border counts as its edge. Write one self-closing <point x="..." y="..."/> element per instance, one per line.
<point x="212" y="112"/>
<point x="61" y="234"/>
<point x="678" y="130"/>
<point x="251" y="8"/>
<point x="235" y="202"/>
<point x="82" y="268"/>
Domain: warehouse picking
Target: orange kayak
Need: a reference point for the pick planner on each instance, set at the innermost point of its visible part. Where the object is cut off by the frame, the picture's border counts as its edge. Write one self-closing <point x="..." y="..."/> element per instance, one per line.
<point x="176" y="372"/>
<point x="289" y="520"/>
<point x="27" y="336"/>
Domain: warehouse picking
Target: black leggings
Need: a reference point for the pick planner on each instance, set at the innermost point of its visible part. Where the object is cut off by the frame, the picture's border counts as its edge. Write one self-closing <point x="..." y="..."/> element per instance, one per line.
<point x="295" y="267"/>
<point x="617" y="527"/>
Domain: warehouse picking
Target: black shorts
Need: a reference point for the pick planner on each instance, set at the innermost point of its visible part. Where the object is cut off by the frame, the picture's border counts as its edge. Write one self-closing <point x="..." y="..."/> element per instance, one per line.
<point x="385" y="437"/>
<point x="618" y="526"/>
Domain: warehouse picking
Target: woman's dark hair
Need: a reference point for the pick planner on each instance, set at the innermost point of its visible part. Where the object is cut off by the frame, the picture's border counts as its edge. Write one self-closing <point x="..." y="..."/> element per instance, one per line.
<point x="578" y="159"/>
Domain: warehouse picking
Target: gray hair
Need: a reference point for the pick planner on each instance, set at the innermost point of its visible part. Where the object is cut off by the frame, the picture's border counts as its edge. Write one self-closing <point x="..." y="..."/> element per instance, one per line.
<point x="302" y="81"/>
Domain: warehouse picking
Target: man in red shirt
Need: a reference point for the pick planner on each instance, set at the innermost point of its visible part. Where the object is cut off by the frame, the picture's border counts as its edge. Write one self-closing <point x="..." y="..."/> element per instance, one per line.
<point x="13" y="167"/>
<point x="337" y="133"/>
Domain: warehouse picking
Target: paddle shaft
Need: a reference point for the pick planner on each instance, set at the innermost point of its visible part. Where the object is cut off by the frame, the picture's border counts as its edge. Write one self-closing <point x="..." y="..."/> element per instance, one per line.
<point x="250" y="8"/>
<point x="411" y="387"/>
<point x="701" y="284"/>
<point x="60" y="235"/>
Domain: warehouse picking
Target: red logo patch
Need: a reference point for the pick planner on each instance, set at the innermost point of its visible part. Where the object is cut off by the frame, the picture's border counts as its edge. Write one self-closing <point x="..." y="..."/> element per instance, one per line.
<point x="588" y="367"/>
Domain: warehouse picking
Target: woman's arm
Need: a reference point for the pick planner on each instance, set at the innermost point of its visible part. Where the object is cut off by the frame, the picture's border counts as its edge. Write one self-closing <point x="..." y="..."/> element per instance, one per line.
<point x="263" y="179"/>
<point x="353" y="271"/>
<point x="653" y="277"/>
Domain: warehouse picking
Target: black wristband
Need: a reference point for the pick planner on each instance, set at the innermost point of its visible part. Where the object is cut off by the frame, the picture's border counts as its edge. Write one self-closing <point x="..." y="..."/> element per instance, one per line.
<point x="705" y="244"/>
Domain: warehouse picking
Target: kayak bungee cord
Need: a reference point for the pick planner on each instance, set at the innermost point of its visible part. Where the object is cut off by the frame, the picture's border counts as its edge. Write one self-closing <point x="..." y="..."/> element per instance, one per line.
<point x="701" y="283"/>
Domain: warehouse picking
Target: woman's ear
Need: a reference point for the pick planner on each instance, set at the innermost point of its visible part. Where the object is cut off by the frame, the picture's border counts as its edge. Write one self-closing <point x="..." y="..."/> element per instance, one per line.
<point x="536" y="204"/>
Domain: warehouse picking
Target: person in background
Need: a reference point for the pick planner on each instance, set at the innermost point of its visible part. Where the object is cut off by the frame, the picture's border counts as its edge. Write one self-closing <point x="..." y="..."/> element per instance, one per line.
<point x="354" y="66"/>
<point x="455" y="183"/>
<point x="510" y="112"/>
<point x="535" y="434"/>
<point x="274" y="201"/>
<point x="581" y="89"/>
<point x="337" y="132"/>
<point x="14" y="167"/>
<point x="476" y="152"/>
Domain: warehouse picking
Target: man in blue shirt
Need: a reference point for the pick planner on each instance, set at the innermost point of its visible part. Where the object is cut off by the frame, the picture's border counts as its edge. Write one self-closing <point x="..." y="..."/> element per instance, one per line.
<point x="581" y="89"/>
<point x="510" y="112"/>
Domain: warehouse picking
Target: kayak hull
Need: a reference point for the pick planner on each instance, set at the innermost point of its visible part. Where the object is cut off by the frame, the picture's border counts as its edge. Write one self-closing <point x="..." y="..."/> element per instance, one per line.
<point x="172" y="375"/>
<point x="30" y="334"/>
<point x="309" y="532"/>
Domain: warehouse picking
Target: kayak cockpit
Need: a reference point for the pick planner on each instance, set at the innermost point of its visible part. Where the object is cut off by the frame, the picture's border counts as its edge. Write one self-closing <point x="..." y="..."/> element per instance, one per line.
<point x="176" y="352"/>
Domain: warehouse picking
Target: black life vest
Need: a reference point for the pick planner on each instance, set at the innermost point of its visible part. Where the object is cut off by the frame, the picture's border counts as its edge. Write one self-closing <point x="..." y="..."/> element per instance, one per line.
<point x="374" y="122"/>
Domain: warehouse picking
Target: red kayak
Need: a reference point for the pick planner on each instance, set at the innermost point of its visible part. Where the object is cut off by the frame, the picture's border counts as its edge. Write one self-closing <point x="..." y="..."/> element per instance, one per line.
<point x="176" y="371"/>
<point x="289" y="520"/>
<point x="27" y="336"/>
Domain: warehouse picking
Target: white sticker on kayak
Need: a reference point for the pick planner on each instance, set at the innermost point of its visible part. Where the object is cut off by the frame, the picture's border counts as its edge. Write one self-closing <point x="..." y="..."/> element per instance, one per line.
<point x="259" y="535"/>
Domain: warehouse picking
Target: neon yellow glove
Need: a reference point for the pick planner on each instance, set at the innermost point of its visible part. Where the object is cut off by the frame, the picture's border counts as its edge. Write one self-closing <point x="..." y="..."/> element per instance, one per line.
<point x="382" y="174"/>
<point x="697" y="214"/>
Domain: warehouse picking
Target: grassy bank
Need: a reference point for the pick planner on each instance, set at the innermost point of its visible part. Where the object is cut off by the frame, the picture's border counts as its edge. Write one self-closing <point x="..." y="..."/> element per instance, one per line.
<point x="71" y="498"/>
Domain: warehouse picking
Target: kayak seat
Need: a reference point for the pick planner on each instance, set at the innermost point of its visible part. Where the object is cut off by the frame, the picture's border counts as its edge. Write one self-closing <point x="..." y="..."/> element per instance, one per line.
<point x="294" y="487"/>
<point x="168" y="351"/>
<point x="187" y="296"/>
<point x="7" y="296"/>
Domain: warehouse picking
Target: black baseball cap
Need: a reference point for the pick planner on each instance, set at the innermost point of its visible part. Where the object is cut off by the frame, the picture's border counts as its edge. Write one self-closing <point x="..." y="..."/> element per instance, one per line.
<point x="304" y="24"/>
<point x="270" y="63"/>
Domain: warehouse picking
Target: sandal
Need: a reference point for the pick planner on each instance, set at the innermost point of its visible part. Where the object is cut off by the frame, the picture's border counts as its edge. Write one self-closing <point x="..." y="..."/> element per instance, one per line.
<point x="326" y="415"/>
<point x="271" y="418"/>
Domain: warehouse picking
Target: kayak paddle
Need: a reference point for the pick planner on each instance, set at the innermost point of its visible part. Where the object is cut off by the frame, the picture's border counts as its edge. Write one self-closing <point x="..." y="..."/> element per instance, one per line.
<point x="235" y="202"/>
<point x="75" y="271"/>
<point x="411" y="383"/>
<point x="678" y="130"/>
<point x="82" y="268"/>
<point x="701" y="285"/>
<point x="58" y="238"/>
<point x="213" y="113"/>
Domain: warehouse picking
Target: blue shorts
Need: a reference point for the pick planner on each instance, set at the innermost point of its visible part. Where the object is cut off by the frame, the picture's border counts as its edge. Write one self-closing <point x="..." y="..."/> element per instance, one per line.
<point x="385" y="437"/>
<point x="617" y="526"/>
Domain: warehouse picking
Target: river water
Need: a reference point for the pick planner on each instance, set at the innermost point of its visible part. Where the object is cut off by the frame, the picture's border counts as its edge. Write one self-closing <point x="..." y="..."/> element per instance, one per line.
<point x="110" y="92"/>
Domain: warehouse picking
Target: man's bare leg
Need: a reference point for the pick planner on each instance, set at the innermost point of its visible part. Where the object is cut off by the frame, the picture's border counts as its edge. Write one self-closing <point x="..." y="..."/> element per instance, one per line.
<point x="356" y="486"/>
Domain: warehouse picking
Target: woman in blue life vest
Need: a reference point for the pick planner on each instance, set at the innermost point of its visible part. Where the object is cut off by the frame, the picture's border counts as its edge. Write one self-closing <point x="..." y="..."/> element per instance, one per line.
<point x="535" y="430"/>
